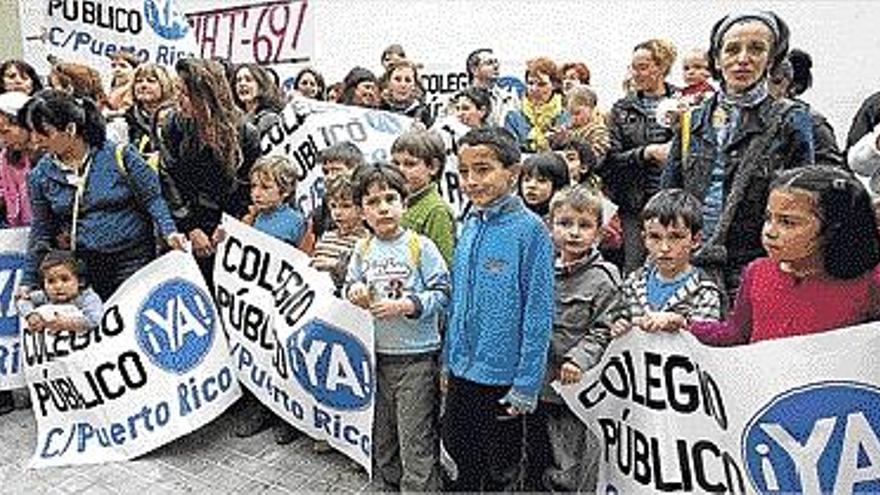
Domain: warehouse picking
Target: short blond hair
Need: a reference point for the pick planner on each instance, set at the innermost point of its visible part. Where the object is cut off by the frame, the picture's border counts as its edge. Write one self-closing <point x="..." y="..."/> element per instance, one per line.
<point x="280" y="169"/>
<point x="580" y="198"/>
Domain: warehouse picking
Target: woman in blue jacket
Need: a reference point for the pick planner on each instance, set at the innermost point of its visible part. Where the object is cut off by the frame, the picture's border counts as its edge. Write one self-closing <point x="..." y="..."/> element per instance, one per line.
<point x="90" y="195"/>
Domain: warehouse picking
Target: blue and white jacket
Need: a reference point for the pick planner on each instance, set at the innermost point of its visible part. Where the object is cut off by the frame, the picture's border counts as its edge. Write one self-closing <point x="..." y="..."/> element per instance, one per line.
<point x="112" y="216"/>
<point x="501" y="315"/>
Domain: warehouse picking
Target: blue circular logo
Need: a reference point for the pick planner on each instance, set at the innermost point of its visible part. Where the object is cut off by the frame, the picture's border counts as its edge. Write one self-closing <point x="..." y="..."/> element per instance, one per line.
<point x="11" y="265"/>
<point x="165" y="19"/>
<point x="384" y="122"/>
<point x="176" y="325"/>
<point x="820" y="438"/>
<point x="332" y="365"/>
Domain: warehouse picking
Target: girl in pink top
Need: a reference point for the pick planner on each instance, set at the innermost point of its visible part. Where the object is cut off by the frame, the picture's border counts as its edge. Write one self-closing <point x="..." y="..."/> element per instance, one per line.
<point x="821" y="272"/>
<point x="15" y="162"/>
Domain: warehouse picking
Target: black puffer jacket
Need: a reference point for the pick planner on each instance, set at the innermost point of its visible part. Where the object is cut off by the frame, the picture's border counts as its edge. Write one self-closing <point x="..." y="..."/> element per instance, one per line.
<point x="631" y="179"/>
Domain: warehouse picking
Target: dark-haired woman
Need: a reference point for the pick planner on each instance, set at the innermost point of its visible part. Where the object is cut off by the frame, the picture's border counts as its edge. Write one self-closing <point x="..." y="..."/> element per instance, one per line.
<point x="207" y="149"/>
<point x="85" y="200"/>
<point x="310" y="83"/>
<point x="256" y="94"/>
<point x="18" y="75"/>
<point x="739" y="139"/>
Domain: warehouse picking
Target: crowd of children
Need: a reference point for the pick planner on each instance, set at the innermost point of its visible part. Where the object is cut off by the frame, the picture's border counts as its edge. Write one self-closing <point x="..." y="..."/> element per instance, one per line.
<point x="481" y="311"/>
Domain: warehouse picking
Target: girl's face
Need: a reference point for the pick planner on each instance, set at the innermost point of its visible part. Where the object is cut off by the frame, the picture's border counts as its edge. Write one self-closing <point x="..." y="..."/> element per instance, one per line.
<point x="121" y="71"/>
<point x="536" y="189"/>
<point x="539" y="88"/>
<point x="416" y="172"/>
<point x="147" y="89"/>
<point x="791" y="229"/>
<point x="468" y="113"/>
<point x="575" y="232"/>
<point x="61" y="284"/>
<point x="365" y="94"/>
<point x="646" y="74"/>
<point x="307" y="85"/>
<point x="573" y="160"/>
<point x="12" y="135"/>
<point x="246" y="87"/>
<point x="696" y="69"/>
<point x="402" y="84"/>
<point x="265" y="193"/>
<point x="15" y="80"/>
<point x="744" y="55"/>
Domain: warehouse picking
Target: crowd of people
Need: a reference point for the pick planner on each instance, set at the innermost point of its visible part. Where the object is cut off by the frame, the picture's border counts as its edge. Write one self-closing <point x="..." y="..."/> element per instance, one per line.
<point x="724" y="208"/>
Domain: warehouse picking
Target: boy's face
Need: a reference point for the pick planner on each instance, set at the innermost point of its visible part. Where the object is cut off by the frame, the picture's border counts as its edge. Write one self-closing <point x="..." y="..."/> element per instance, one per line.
<point x="332" y="169"/>
<point x="669" y="247"/>
<point x="581" y="115"/>
<point x="265" y="193"/>
<point x="344" y="212"/>
<point x="575" y="232"/>
<point x="382" y="207"/>
<point x="416" y="172"/>
<point x="483" y="177"/>
<point x="61" y="284"/>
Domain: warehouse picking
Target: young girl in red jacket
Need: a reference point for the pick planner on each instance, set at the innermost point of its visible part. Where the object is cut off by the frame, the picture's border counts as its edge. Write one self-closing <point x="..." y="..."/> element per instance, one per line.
<point x="821" y="270"/>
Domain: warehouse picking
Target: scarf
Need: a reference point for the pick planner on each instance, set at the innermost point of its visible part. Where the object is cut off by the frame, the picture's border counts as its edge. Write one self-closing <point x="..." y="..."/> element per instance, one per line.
<point x="726" y="117"/>
<point x="541" y="117"/>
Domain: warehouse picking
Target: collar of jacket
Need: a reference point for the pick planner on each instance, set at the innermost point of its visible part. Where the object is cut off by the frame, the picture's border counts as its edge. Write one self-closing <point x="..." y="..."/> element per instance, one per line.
<point x="505" y="204"/>
<point x="753" y="120"/>
<point x="582" y="264"/>
<point x="421" y="193"/>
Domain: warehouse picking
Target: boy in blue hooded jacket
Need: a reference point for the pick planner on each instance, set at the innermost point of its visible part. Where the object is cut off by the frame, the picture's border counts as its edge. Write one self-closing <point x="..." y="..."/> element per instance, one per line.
<point x="500" y="317"/>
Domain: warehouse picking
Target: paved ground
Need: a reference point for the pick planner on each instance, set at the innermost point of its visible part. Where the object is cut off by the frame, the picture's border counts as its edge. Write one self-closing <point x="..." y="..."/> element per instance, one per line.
<point x="210" y="460"/>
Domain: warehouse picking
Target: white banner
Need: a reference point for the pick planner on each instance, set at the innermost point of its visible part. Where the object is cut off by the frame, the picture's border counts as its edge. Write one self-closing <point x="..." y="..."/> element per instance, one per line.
<point x="308" y="126"/>
<point x="13" y="246"/>
<point x="88" y="31"/>
<point x="794" y="415"/>
<point x="451" y="130"/>
<point x="156" y="369"/>
<point x="305" y="354"/>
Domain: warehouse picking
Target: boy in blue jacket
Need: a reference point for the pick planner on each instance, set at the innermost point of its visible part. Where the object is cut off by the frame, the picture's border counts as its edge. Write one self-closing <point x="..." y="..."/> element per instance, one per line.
<point x="500" y="317"/>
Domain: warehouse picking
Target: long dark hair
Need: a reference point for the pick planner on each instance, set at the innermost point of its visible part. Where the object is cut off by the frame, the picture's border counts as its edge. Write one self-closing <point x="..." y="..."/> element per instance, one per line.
<point x="216" y="118"/>
<point x="268" y="94"/>
<point x="849" y="241"/>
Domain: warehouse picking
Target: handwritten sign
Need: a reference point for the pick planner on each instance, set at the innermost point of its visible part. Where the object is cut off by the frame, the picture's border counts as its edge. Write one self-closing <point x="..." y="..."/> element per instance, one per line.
<point x="265" y="33"/>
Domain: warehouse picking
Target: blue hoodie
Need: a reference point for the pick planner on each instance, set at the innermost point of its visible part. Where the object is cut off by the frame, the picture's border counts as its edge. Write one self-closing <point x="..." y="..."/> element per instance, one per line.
<point x="501" y="315"/>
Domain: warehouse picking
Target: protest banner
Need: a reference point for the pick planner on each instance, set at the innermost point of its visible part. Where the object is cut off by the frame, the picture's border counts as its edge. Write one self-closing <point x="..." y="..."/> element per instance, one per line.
<point x="13" y="246"/>
<point x="304" y="353"/>
<point x="308" y="126"/>
<point x="157" y="368"/>
<point x="278" y="34"/>
<point x="451" y="130"/>
<point x="794" y="415"/>
<point x="88" y="31"/>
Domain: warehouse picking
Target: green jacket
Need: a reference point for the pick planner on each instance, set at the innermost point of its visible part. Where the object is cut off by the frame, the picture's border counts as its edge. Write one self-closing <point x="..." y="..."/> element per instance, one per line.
<point x="428" y="214"/>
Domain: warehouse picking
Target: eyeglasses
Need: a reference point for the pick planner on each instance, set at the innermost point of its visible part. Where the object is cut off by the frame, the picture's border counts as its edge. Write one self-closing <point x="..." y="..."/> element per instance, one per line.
<point x="489" y="61"/>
